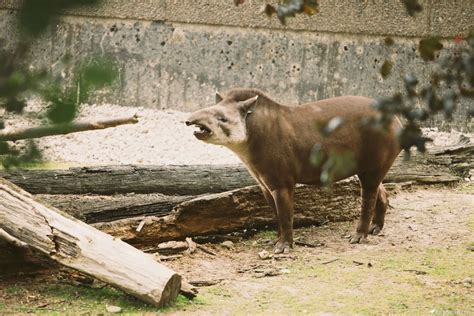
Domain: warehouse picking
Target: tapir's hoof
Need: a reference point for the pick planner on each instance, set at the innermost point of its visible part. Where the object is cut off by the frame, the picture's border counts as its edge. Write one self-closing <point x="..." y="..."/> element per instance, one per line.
<point x="375" y="229"/>
<point x="358" y="238"/>
<point x="282" y="247"/>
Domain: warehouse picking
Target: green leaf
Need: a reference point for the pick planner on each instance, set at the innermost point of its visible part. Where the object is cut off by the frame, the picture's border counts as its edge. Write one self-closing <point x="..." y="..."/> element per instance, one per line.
<point x="15" y="105"/>
<point x="332" y="125"/>
<point x="428" y="47"/>
<point x="388" y="41"/>
<point x="99" y="72"/>
<point x="412" y="7"/>
<point x="61" y="111"/>
<point x="386" y="69"/>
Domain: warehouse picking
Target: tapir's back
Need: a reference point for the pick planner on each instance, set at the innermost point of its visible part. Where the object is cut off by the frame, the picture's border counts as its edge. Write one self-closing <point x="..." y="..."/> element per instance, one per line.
<point x="372" y="149"/>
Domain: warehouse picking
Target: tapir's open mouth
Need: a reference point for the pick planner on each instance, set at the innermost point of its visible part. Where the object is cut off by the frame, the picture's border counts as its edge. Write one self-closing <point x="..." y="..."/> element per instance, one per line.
<point x="203" y="132"/>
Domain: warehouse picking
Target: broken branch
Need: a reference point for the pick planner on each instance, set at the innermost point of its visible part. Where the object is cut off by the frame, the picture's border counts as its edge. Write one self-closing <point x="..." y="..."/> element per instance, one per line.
<point x="65" y="128"/>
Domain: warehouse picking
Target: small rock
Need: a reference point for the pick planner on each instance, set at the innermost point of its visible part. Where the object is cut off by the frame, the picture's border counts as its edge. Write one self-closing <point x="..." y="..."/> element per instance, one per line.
<point x="227" y="244"/>
<point x="285" y="271"/>
<point x="467" y="282"/>
<point x="113" y="309"/>
<point x="264" y="255"/>
<point x="471" y="248"/>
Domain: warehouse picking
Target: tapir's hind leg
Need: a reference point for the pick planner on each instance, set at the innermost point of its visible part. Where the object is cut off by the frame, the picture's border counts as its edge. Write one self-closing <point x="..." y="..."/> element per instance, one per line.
<point x="369" y="183"/>
<point x="379" y="212"/>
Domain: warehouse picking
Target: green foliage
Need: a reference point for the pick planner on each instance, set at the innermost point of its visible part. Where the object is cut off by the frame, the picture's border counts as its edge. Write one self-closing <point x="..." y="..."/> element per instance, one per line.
<point x="333" y="164"/>
<point x="98" y="73"/>
<point x="428" y="47"/>
<point x="386" y="69"/>
<point x="289" y="8"/>
<point x="412" y="7"/>
<point x="35" y="15"/>
<point x="18" y="82"/>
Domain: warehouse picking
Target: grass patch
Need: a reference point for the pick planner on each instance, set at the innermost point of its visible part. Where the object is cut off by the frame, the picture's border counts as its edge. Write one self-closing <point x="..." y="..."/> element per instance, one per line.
<point x="54" y="298"/>
<point x="266" y="234"/>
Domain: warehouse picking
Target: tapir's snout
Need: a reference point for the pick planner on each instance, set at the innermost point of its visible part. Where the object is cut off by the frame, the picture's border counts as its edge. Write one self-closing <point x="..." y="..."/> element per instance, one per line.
<point x="200" y="120"/>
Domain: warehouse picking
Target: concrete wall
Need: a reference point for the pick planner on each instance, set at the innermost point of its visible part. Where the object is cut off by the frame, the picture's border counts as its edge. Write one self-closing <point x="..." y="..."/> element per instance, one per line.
<point x="175" y="54"/>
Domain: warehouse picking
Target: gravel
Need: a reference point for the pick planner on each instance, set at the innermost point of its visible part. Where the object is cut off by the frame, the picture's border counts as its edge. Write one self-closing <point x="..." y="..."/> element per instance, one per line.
<point x="160" y="138"/>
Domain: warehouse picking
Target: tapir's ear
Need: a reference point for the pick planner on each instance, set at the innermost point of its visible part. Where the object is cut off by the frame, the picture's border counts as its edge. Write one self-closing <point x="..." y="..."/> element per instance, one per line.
<point x="246" y="105"/>
<point x="219" y="97"/>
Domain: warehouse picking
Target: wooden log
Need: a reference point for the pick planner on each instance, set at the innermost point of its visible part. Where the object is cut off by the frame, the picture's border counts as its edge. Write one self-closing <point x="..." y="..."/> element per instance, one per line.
<point x="235" y="210"/>
<point x="79" y="246"/>
<point x="107" y="208"/>
<point x="64" y="128"/>
<point x="445" y="165"/>
<point x="181" y="180"/>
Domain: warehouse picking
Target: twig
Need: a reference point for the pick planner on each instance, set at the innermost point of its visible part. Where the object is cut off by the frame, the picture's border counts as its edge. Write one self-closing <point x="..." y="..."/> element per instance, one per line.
<point x="64" y="128"/>
<point x="306" y="244"/>
<point x="50" y="303"/>
<point x="200" y="283"/>
<point x="416" y="271"/>
<point x="206" y="250"/>
<point x="330" y="261"/>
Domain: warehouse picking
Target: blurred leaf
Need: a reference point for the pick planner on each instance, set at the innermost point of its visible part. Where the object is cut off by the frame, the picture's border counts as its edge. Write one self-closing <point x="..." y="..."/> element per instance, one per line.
<point x="470" y="111"/>
<point x="411" y="136"/>
<point x="61" y="111"/>
<point x="289" y="8"/>
<point x="36" y="15"/>
<point x="386" y="69"/>
<point x="5" y="149"/>
<point x="310" y="7"/>
<point x="317" y="155"/>
<point x="428" y="47"/>
<point x="412" y="7"/>
<point x="333" y="165"/>
<point x="99" y="72"/>
<point x="31" y="154"/>
<point x="389" y="41"/>
<point x="434" y="103"/>
<point x="15" y="105"/>
<point x="410" y="84"/>
<point x="332" y="125"/>
<point x="269" y="10"/>
<point x="449" y="105"/>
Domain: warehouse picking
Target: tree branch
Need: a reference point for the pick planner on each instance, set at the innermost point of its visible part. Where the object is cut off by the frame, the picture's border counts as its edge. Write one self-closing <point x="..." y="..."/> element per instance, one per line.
<point x="62" y="129"/>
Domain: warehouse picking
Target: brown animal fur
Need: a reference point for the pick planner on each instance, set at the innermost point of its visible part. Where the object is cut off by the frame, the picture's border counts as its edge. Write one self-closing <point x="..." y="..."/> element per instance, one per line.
<point x="275" y="143"/>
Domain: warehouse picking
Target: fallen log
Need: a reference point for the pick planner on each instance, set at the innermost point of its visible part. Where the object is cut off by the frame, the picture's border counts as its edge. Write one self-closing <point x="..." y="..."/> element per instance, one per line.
<point x="444" y="165"/>
<point x="79" y="246"/>
<point x="63" y="129"/>
<point x="236" y="210"/>
<point x="105" y="180"/>
<point x="107" y="208"/>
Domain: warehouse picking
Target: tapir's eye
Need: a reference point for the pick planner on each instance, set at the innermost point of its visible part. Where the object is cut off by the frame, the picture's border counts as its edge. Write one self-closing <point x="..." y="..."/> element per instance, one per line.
<point x="222" y="119"/>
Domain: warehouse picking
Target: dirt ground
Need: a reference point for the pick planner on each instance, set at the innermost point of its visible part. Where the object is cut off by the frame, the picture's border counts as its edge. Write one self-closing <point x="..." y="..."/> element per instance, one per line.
<point x="422" y="263"/>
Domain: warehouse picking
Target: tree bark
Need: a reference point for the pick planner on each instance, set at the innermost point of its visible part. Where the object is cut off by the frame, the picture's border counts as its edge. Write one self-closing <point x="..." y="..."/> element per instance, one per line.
<point x="79" y="246"/>
<point x="106" y="208"/>
<point x="444" y="165"/>
<point x="234" y="210"/>
<point x="64" y="128"/>
<point x="180" y="180"/>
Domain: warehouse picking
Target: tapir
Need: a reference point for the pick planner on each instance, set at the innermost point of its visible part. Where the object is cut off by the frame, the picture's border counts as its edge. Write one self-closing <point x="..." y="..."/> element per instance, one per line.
<point x="275" y="142"/>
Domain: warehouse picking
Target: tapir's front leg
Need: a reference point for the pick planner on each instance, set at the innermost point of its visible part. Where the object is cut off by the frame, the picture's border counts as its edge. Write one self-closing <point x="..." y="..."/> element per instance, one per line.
<point x="284" y="204"/>
<point x="269" y="198"/>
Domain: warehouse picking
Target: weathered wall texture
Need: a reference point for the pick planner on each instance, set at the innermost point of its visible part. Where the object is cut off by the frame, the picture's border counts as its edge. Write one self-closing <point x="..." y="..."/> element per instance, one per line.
<point x="175" y="54"/>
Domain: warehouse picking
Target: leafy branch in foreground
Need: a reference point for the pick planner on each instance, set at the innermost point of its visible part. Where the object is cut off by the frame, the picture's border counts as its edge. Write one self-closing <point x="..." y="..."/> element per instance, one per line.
<point x="19" y="83"/>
